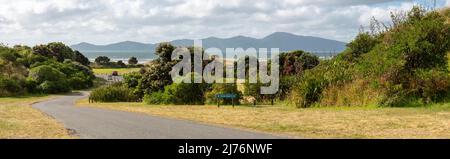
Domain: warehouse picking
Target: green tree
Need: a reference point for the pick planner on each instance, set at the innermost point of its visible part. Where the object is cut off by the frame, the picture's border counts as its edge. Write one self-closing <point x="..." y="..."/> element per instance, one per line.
<point x="56" y="50"/>
<point x="296" y="62"/>
<point x="133" y="61"/>
<point x="164" y="51"/>
<point x="79" y="57"/>
<point x="102" y="60"/>
<point x="121" y="64"/>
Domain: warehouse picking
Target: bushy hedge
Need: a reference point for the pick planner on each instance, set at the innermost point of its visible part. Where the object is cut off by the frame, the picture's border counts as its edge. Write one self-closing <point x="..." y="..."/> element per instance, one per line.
<point x="113" y="93"/>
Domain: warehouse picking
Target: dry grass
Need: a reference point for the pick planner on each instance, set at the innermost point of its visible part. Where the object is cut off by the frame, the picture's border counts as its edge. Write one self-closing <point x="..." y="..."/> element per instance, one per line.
<point x="362" y="122"/>
<point x="18" y="120"/>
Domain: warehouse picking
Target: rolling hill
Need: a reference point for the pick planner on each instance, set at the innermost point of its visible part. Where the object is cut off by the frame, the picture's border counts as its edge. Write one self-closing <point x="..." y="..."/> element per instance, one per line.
<point x="282" y="40"/>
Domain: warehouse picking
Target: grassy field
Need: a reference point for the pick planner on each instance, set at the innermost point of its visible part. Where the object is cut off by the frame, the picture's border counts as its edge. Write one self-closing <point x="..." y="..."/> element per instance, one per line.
<point x="18" y="120"/>
<point x="356" y="122"/>
<point x="110" y="71"/>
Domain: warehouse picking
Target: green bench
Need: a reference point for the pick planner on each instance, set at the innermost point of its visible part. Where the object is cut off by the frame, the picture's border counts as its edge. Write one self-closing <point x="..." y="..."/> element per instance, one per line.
<point x="226" y="96"/>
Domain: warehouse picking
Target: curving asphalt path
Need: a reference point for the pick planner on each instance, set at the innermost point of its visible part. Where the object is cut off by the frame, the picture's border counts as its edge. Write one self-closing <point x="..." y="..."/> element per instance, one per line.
<point x="92" y="123"/>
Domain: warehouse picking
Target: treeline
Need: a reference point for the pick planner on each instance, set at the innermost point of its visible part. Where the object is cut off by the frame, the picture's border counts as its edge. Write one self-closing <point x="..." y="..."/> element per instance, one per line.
<point x="51" y="68"/>
<point x="105" y="62"/>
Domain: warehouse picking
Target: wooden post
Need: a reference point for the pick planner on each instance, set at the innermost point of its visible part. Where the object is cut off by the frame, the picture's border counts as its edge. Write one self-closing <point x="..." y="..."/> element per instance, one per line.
<point x="232" y="101"/>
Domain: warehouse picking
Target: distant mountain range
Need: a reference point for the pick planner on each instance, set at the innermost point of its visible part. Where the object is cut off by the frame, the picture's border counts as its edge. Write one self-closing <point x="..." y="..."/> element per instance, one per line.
<point x="282" y="40"/>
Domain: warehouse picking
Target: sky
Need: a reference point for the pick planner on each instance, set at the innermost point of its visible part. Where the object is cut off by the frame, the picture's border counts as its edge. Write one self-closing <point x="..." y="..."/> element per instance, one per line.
<point x="32" y="22"/>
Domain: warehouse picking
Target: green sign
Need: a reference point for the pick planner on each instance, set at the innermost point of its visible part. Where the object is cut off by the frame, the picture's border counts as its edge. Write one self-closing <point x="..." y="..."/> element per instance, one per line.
<point x="226" y="96"/>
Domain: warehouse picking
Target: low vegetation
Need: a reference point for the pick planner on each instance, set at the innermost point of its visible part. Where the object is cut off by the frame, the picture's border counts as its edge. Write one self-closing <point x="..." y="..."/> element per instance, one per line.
<point x="19" y="120"/>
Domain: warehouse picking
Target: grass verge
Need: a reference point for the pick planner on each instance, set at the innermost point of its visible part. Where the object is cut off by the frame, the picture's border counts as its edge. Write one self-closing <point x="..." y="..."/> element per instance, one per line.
<point x="355" y="122"/>
<point x="18" y="120"/>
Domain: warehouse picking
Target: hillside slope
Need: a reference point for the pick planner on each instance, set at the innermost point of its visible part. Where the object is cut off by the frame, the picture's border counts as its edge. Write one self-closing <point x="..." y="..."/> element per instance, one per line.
<point x="401" y="66"/>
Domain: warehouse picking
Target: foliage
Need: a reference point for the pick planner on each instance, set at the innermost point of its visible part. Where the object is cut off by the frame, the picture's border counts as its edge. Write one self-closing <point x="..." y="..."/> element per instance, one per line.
<point x="60" y="52"/>
<point x="296" y="62"/>
<point x="9" y="87"/>
<point x="78" y="75"/>
<point x="50" y="68"/>
<point x="164" y="51"/>
<point x="121" y="64"/>
<point x="157" y="76"/>
<point x="102" y="60"/>
<point x="404" y="64"/>
<point x="113" y="93"/>
<point x="49" y="79"/>
<point x="132" y="61"/>
<point x="79" y="57"/>
<point x="178" y="94"/>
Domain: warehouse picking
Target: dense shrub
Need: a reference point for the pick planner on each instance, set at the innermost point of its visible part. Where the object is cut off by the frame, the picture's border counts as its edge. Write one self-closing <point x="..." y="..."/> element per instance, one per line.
<point x="287" y="83"/>
<point x="46" y="73"/>
<point x="9" y="87"/>
<point x="55" y="50"/>
<point x="295" y="62"/>
<point x="113" y="93"/>
<point x="48" y="68"/>
<point x="179" y="94"/>
<point x="156" y="77"/>
<point x="50" y="80"/>
<point x="54" y="87"/>
<point x="78" y="75"/>
<point x="32" y="86"/>
<point x="156" y="98"/>
<point x="131" y="80"/>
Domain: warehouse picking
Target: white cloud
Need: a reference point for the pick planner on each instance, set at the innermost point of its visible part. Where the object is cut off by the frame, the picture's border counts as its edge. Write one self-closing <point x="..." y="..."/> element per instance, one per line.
<point x="106" y="21"/>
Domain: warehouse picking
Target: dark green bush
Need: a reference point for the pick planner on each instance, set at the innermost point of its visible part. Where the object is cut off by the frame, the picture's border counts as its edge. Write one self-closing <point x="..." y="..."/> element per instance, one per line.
<point x="50" y="80"/>
<point x="79" y="76"/>
<point x="32" y="86"/>
<point x="156" y="98"/>
<point x="46" y="73"/>
<point x="51" y="87"/>
<point x="9" y="87"/>
<point x="296" y="62"/>
<point x="179" y="94"/>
